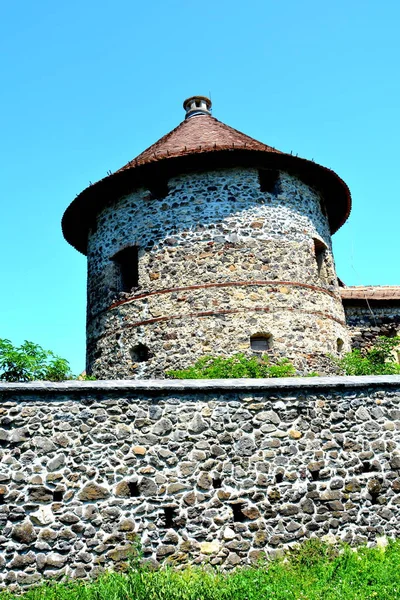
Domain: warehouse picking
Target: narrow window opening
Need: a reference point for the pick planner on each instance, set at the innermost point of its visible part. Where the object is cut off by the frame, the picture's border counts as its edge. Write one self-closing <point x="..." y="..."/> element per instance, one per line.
<point x="217" y="483"/>
<point x="169" y="517"/>
<point x="57" y="496"/>
<point x="134" y="491"/>
<point x="127" y="262"/>
<point x="238" y="515"/>
<point x="159" y="189"/>
<point x="268" y="179"/>
<point x="139" y="353"/>
<point x="374" y="498"/>
<point x="261" y="342"/>
<point x="339" y="345"/>
<point x="320" y="254"/>
<point x="279" y="477"/>
<point x="315" y="475"/>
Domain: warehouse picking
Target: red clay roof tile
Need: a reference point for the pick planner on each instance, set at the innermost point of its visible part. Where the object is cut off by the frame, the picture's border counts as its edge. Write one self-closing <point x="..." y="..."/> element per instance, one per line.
<point x="200" y="133"/>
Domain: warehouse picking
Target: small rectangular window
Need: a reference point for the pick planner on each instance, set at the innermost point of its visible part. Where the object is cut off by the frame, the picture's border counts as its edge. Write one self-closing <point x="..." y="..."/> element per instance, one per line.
<point x="127" y="262"/>
<point x="159" y="188"/>
<point x="269" y="179"/>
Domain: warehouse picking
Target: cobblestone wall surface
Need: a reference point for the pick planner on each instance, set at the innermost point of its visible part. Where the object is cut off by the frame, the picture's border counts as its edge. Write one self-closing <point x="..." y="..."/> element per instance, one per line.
<point x="219" y="261"/>
<point x="216" y="471"/>
<point x="365" y="323"/>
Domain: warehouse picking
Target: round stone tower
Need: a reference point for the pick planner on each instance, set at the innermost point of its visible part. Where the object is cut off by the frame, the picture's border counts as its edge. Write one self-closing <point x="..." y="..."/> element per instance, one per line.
<point x="209" y="242"/>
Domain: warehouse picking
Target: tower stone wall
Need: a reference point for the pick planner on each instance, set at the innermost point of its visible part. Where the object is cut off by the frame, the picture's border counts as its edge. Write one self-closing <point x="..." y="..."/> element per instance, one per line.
<point x="220" y="259"/>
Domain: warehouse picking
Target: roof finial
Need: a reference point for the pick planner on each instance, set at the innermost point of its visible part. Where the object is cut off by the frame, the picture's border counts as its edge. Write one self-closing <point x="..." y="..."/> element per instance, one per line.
<point x="197" y="105"/>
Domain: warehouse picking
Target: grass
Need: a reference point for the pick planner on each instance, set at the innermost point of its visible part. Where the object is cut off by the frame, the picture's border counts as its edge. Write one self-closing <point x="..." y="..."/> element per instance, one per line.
<point x="315" y="571"/>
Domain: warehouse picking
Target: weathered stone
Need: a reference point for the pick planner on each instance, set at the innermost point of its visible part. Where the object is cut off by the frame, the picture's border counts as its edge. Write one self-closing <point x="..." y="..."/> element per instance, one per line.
<point x="55" y="463"/>
<point x="175" y="488"/>
<point x="122" y="489"/>
<point x="251" y="512"/>
<point x="93" y="491"/>
<point x="20" y="561"/>
<point x="229" y="534"/>
<point x="289" y="509"/>
<point x="126" y="525"/>
<point x="24" y="532"/>
<point x="204" y="481"/>
<point x="197" y="424"/>
<point x="162" y="427"/>
<point x="245" y="446"/>
<point x="55" y="560"/>
<point x="69" y="517"/>
<point x="43" y="516"/>
<point x="353" y="485"/>
<point x="120" y="553"/>
<point x="40" y="494"/>
<point x="363" y="414"/>
<point x="147" y="487"/>
<point x="209" y="547"/>
<point x="189" y="498"/>
<point x="294" y="434"/>
<point x="395" y="462"/>
<point x="139" y="450"/>
<point x="165" y="550"/>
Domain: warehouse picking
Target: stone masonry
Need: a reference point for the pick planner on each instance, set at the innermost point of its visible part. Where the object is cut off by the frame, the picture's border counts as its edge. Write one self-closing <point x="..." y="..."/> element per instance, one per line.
<point x="219" y="261"/>
<point x="218" y="472"/>
<point x="210" y="242"/>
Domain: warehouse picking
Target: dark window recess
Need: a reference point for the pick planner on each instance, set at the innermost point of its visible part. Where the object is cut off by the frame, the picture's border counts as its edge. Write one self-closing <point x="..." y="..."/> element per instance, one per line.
<point x="169" y="517"/>
<point x="315" y="475"/>
<point x="127" y="261"/>
<point x="269" y="180"/>
<point x="57" y="496"/>
<point x="217" y="483"/>
<point x="134" y="491"/>
<point x="339" y="345"/>
<point x="2" y="501"/>
<point x="159" y="189"/>
<point x="238" y="515"/>
<point x="261" y="343"/>
<point x="139" y="353"/>
<point x="319" y="250"/>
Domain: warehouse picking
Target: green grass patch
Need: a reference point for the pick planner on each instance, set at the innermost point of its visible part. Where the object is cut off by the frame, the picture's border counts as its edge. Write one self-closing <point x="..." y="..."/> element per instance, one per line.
<point x="316" y="571"/>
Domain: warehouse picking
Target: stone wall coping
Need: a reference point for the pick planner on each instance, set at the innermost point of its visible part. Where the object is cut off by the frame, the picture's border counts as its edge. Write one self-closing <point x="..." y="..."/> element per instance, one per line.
<point x="189" y="385"/>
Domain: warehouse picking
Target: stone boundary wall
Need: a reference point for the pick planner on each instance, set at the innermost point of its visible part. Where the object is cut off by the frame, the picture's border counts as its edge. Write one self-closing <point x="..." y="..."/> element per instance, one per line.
<point x="218" y="471"/>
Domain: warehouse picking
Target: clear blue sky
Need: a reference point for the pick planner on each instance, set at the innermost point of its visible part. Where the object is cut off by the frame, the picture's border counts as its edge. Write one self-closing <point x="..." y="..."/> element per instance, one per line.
<point x="86" y="86"/>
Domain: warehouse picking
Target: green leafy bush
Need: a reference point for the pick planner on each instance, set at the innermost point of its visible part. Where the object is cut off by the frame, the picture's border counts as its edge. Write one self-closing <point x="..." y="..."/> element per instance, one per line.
<point x="30" y="362"/>
<point x="379" y="360"/>
<point x="236" y="366"/>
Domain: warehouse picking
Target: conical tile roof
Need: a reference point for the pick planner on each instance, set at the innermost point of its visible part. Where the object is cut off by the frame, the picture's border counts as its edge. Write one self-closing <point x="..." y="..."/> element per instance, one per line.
<point x="199" y="142"/>
<point x="195" y="135"/>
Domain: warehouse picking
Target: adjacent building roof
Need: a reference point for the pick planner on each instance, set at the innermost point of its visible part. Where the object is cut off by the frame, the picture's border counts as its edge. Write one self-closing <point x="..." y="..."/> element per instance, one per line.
<point x="200" y="142"/>
<point x="386" y="293"/>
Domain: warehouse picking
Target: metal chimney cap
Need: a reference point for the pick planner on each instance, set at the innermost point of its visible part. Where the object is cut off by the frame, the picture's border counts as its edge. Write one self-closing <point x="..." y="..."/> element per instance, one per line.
<point x="197" y="105"/>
